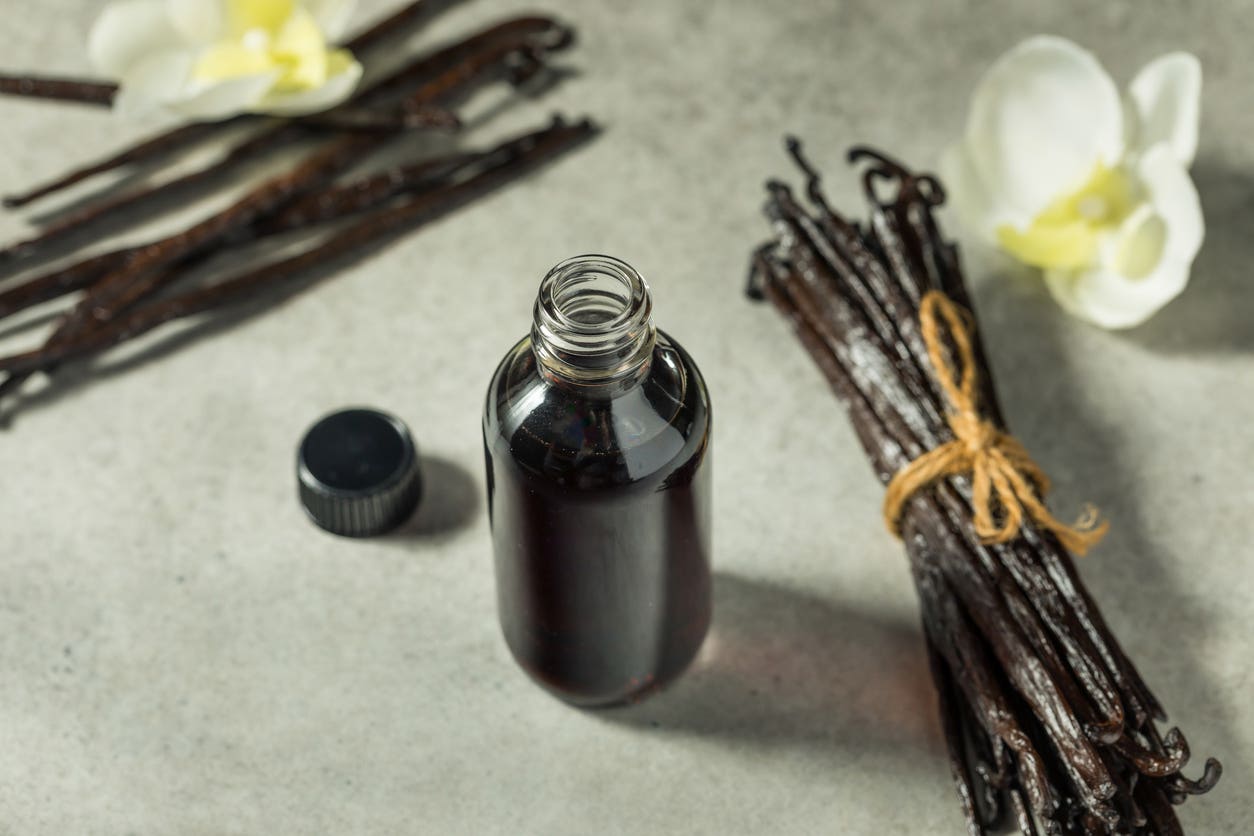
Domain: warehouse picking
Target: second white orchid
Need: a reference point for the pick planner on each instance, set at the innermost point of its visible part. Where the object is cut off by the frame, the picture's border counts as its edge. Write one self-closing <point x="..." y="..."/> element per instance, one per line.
<point x="209" y="59"/>
<point x="1064" y="174"/>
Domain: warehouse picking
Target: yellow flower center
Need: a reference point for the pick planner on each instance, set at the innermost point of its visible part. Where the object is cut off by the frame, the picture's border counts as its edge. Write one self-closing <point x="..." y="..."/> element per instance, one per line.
<point x="1066" y="234"/>
<point x="272" y="36"/>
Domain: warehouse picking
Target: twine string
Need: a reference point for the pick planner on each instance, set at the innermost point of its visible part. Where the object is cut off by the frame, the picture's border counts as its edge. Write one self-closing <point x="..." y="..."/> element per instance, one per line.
<point x="1006" y="484"/>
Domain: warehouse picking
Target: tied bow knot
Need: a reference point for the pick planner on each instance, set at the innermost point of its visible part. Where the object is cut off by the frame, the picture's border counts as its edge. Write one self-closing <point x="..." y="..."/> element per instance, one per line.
<point x="1003" y="476"/>
<point x="978" y="435"/>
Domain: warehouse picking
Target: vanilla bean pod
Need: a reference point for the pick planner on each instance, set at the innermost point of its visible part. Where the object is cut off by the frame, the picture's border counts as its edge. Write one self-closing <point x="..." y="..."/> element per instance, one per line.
<point x="365" y="193"/>
<point x="396" y="25"/>
<point x="1116" y="778"/>
<point x="150" y="149"/>
<point x="1033" y="620"/>
<point x="325" y="164"/>
<point x="115" y="292"/>
<point x="943" y="257"/>
<point x="877" y="413"/>
<point x="521" y="159"/>
<point x="528" y="34"/>
<point x="392" y="120"/>
<point x="371" y="190"/>
<point x="62" y="280"/>
<point x="176" y="139"/>
<point x="540" y="32"/>
<point x="943" y="270"/>
<point x="126" y="285"/>
<point x="146" y="271"/>
<point x="101" y="93"/>
<point x="333" y="203"/>
<point x="79" y="90"/>
<point x="478" y="58"/>
<point x="979" y="808"/>
<point x="931" y="252"/>
<point x="1044" y="716"/>
<point x="954" y="638"/>
<point x="1113" y="780"/>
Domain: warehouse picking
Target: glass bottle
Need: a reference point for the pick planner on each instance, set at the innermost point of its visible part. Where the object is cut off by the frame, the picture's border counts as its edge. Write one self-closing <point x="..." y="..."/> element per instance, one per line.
<point x="597" y="439"/>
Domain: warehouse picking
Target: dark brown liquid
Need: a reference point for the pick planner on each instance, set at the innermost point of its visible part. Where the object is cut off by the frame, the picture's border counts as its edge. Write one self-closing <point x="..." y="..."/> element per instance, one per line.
<point x="600" y="522"/>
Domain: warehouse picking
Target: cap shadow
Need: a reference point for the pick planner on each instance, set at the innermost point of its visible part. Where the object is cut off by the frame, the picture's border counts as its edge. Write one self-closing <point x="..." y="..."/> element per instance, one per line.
<point x="450" y="501"/>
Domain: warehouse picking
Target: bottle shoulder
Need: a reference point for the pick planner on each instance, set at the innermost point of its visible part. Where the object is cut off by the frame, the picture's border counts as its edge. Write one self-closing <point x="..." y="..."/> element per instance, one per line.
<point x="562" y="434"/>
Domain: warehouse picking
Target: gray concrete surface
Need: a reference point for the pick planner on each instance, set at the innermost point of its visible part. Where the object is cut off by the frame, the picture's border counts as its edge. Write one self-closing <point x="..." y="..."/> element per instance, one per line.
<point x="182" y="653"/>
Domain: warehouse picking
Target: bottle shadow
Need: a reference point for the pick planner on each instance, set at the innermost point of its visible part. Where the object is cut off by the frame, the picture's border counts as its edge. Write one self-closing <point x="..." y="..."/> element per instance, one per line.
<point x="786" y="668"/>
<point x="1132" y="578"/>
<point x="1215" y="314"/>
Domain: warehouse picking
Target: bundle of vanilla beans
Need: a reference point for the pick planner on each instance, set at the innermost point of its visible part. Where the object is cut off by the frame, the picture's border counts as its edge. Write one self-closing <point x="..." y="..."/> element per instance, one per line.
<point x="1045" y="718"/>
<point x="322" y="196"/>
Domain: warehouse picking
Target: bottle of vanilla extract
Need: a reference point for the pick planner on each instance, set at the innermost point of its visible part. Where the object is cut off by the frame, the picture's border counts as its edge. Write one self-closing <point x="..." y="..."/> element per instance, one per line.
<point x="597" y="438"/>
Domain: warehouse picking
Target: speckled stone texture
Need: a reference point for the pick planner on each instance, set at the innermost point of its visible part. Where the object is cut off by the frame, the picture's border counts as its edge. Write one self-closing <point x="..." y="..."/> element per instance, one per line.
<point x="182" y="652"/>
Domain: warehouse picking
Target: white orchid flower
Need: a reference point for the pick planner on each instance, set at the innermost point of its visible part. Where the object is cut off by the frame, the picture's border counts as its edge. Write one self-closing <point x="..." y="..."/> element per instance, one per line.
<point x="209" y="59"/>
<point x="1063" y="174"/>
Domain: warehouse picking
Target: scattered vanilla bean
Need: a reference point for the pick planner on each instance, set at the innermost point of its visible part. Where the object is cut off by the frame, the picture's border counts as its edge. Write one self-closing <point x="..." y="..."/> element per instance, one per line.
<point x="479" y="58"/>
<point x="333" y="203"/>
<point x="131" y="282"/>
<point x="528" y="34"/>
<point x="1045" y="717"/>
<point x="146" y="271"/>
<point x="367" y="192"/>
<point x="62" y="280"/>
<point x="387" y="121"/>
<point x="400" y="22"/>
<point x="128" y="290"/>
<point x="373" y="190"/>
<point x="117" y="291"/>
<point x="83" y="91"/>
<point x="517" y="159"/>
<point x="162" y="145"/>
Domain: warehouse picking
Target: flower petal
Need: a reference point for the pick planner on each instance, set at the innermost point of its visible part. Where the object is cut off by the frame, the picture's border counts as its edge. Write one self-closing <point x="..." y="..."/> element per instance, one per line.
<point x="1043" y="116"/>
<point x="126" y="33"/>
<point x="1105" y="297"/>
<point x="1066" y="235"/>
<point x="166" y="81"/>
<point x="345" y="73"/>
<point x="150" y="83"/>
<point x="1136" y="250"/>
<point x="300" y="44"/>
<point x="1171" y="192"/>
<point x="332" y="15"/>
<point x="227" y="60"/>
<point x="226" y="98"/>
<point x="976" y="206"/>
<point x="1147" y="263"/>
<point x="1166" y="96"/>
<point x="198" y="21"/>
<point x="267" y="15"/>
<point x="1064" y="245"/>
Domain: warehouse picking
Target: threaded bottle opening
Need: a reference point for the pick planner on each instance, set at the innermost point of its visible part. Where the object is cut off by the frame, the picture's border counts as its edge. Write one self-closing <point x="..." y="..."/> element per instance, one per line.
<point x="593" y="322"/>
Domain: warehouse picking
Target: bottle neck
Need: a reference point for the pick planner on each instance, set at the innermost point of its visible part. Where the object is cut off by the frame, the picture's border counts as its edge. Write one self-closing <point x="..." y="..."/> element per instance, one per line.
<point x="593" y="324"/>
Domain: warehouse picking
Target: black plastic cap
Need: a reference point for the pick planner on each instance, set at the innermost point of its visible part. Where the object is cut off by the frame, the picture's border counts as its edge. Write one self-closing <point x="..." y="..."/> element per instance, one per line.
<point x="358" y="473"/>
